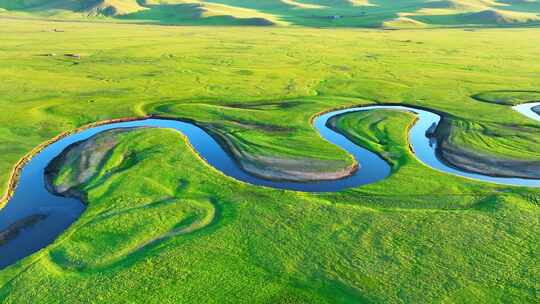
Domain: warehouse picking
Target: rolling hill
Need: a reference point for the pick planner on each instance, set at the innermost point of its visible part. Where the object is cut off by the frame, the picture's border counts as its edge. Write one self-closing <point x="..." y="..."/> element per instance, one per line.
<point x="312" y="13"/>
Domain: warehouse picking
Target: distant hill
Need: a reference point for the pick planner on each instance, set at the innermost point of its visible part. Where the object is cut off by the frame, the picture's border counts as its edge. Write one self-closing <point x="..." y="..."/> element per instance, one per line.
<point x="321" y="13"/>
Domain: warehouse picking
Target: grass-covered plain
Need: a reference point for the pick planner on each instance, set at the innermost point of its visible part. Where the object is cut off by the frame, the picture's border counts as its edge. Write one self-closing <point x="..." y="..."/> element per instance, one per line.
<point x="418" y="236"/>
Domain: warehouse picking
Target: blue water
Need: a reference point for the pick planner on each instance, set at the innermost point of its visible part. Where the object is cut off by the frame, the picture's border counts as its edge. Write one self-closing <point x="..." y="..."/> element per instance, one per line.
<point x="31" y="196"/>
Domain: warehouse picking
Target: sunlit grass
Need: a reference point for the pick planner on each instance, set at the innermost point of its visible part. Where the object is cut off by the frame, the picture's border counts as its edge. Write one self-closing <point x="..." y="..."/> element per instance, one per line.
<point x="418" y="236"/>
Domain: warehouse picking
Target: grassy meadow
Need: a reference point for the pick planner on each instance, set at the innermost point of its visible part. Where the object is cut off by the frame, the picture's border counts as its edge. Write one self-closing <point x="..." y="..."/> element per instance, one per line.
<point x="170" y="229"/>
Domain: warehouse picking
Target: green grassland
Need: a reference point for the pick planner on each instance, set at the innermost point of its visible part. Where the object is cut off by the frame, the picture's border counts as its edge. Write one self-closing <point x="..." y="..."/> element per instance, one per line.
<point x="512" y="141"/>
<point x="314" y="13"/>
<point x="171" y="229"/>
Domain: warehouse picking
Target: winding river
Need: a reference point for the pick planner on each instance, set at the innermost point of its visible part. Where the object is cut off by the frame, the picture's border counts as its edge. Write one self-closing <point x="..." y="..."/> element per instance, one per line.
<point x="34" y="217"/>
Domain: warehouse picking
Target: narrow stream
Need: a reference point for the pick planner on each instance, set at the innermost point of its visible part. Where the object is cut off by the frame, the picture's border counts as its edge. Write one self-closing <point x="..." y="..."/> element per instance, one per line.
<point x="34" y="217"/>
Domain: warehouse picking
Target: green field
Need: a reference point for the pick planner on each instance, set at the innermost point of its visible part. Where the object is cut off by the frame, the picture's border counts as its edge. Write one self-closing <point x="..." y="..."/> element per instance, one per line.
<point x="167" y="228"/>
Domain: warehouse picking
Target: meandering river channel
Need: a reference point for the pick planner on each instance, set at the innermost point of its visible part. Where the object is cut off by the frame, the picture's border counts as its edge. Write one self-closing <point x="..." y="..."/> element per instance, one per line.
<point x="34" y="217"/>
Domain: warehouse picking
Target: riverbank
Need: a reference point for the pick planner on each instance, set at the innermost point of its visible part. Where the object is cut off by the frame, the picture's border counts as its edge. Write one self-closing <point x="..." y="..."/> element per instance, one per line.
<point x="478" y="162"/>
<point x="14" y="177"/>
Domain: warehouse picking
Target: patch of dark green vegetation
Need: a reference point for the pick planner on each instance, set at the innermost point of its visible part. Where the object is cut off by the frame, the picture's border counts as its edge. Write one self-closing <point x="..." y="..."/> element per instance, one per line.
<point x="268" y="105"/>
<point x="508" y="97"/>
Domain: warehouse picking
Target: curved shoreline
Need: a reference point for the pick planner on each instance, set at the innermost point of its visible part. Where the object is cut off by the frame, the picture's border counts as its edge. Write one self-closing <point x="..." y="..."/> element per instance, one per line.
<point x="28" y="192"/>
<point x="251" y="164"/>
<point x="14" y="177"/>
<point x="474" y="162"/>
<point x="529" y="109"/>
<point x="16" y="170"/>
<point x="66" y="209"/>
